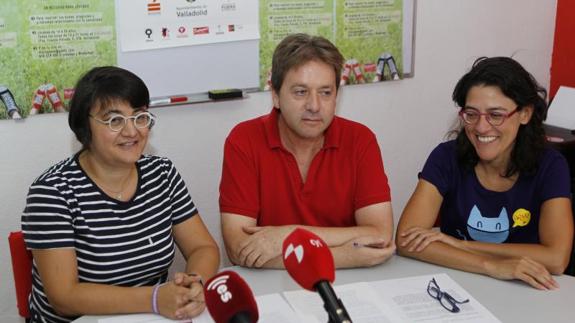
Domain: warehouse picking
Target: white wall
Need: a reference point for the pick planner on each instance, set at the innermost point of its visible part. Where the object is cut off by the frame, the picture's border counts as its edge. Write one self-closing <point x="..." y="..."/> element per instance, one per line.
<point x="409" y="117"/>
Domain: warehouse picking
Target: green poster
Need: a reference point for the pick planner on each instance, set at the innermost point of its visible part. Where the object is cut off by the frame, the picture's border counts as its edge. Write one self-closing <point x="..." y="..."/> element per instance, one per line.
<point x="56" y="42"/>
<point x="368" y="32"/>
<point x="279" y="18"/>
<point x="10" y="63"/>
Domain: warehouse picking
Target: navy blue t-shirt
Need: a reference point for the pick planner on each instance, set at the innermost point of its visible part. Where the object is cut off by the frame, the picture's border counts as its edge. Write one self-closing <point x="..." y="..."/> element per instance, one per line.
<point x="471" y="212"/>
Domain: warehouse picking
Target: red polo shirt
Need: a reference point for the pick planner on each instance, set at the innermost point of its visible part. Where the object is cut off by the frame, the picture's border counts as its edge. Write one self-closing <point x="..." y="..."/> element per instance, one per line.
<point x="261" y="179"/>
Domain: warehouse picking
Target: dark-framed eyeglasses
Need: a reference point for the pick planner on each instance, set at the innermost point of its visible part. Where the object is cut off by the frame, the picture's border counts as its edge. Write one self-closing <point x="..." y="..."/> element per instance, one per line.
<point x="494" y="118"/>
<point x="117" y="122"/>
<point x="446" y="300"/>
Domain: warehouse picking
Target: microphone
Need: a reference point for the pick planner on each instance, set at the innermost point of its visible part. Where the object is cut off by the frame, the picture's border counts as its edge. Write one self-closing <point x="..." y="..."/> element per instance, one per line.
<point x="309" y="262"/>
<point x="229" y="299"/>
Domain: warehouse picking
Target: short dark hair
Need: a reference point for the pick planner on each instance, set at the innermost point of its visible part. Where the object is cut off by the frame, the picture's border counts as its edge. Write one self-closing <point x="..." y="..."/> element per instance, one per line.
<point x="298" y="49"/>
<point x="101" y="86"/>
<point x="518" y="85"/>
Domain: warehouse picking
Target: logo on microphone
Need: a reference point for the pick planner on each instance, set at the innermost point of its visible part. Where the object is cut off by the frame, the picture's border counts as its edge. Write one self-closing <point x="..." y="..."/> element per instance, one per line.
<point x="298" y="251"/>
<point x="316" y="243"/>
<point x="219" y="285"/>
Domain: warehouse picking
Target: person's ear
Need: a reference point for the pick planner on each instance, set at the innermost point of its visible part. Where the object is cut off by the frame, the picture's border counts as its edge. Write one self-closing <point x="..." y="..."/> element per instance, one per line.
<point x="525" y="114"/>
<point x="275" y="99"/>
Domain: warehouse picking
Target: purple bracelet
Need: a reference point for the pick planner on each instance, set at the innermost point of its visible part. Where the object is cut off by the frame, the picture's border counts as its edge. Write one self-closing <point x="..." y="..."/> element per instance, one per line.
<point x="155" y="299"/>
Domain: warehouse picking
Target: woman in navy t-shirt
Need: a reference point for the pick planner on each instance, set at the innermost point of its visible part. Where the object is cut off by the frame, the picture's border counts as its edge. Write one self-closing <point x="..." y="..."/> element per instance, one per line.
<point x="502" y="196"/>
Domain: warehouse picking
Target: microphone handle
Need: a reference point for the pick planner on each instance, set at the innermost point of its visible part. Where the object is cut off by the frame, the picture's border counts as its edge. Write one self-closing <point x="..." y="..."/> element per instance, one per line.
<point x="241" y="317"/>
<point x="333" y="305"/>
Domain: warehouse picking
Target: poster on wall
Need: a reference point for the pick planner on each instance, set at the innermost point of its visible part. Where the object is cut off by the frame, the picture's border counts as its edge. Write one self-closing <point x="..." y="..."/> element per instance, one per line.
<point x="369" y="35"/>
<point x="152" y="24"/>
<point x="10" y="62"/>
<point x="367" y="32"/>
<point x="46" y="46"/>
<point x="279" y="18"/>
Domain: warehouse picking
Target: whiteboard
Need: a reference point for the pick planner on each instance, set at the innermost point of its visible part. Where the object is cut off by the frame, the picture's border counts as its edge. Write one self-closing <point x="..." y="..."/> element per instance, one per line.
<point x="192" y="69"/>
<point x="195" y="69"/>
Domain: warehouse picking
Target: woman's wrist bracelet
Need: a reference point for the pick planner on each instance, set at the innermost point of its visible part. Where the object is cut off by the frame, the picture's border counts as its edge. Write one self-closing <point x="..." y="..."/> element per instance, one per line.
<point x="155" y="299"/>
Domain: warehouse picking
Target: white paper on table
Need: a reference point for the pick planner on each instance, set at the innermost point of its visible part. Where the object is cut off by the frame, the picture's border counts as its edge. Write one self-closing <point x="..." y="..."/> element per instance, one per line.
<point x="409" y="297"/>
<point x="272" y="308"/>
<point x="359" y="299"/>
<point x="562" y="110"/>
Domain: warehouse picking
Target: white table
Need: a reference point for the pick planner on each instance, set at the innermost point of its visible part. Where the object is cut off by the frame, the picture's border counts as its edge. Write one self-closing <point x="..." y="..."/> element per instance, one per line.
<point x="509" y="301"/>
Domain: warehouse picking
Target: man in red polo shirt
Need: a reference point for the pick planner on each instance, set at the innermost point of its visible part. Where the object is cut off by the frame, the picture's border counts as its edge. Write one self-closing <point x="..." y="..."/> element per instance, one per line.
<point x="302" y="166"/>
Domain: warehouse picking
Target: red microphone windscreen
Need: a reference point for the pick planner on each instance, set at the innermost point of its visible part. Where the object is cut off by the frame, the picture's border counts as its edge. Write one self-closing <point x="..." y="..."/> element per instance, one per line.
<point x="227" y="294"/>
<point x="307" y="259"/>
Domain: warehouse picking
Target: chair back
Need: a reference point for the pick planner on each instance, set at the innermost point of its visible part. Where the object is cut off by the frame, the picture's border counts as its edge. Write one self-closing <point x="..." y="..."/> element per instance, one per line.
<point x="22" y="269"/>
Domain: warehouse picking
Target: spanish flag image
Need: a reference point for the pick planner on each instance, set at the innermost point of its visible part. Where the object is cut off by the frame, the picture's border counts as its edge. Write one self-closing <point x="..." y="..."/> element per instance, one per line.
<point x="154" y="7"/>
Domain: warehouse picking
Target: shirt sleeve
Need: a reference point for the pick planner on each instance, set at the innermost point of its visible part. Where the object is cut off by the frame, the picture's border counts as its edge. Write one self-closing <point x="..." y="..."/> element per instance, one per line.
<point x="47" y="220"/>
<point x="555" y="177"/>
<point x="183" y="207"/>
<point x="438" y="169"/>
<point x="239" y="183"/>
<point x="372" y="183"/>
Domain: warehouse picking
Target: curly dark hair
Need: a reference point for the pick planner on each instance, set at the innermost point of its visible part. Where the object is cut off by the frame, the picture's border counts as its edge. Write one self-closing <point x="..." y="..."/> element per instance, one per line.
<point x="521" y="87"/>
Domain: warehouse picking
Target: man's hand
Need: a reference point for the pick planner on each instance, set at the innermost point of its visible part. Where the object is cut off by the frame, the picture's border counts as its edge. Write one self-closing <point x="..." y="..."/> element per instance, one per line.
<point x="263" y="244"/>
<point x="417" y="239"/>
<point x="523" y="268"/>
<point x="365" y="251"/>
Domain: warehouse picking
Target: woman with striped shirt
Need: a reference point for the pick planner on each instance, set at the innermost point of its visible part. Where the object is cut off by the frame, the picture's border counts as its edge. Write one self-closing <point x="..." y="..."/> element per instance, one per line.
<point x="103" y="224"/>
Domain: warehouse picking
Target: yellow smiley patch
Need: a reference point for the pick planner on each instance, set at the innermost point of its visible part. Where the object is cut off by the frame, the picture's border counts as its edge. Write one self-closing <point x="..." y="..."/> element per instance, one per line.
<point x="521" y="217"/>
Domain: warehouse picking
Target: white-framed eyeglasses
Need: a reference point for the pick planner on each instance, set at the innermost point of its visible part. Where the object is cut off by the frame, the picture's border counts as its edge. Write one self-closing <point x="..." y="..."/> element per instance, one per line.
<point x="117" y="122"/>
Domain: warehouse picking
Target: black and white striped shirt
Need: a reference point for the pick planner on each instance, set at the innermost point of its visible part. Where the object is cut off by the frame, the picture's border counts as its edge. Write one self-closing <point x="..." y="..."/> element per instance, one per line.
<point x="116" y="243"/>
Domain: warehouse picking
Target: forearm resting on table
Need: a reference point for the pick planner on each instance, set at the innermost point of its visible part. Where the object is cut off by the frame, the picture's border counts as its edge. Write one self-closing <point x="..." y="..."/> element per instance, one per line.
<point x="440" y="253"/>
<point x="555" y="259"/>
<point x="333" y="237"/>
<point x="97" y="299"/>
<point x="337" y="236"/>
<point x="342" y="258"/>
<point x="248" y="244"/>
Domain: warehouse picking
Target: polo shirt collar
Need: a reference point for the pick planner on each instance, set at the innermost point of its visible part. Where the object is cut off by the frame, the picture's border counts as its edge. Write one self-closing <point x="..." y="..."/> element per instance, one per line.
<point x="332" y="133"/>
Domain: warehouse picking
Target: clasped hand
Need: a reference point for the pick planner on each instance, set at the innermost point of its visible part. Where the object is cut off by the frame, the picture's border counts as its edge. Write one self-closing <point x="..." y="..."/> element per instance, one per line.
<point x="522" y="268"/>
<point x="182" y="298"/>
<point x="262" y="244"/>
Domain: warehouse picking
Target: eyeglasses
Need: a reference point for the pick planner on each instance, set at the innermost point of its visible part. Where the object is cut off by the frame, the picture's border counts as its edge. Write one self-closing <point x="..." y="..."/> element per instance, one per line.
<point x="494" y="118"/>
<point x="117" y="122"/>
<point x="446" y="300"/>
